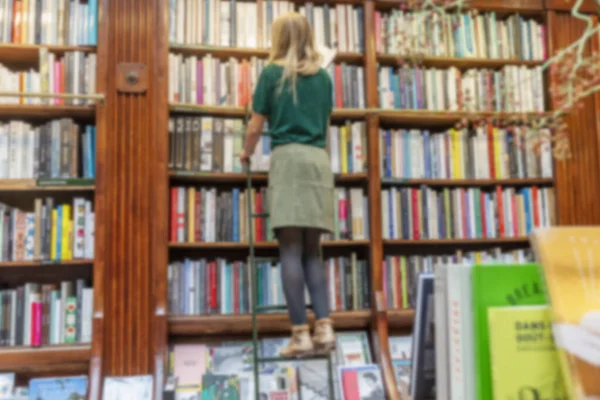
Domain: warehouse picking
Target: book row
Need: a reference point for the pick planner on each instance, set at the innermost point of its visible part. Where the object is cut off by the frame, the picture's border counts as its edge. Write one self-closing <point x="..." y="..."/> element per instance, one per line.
<point x="230" y="23"/>
<point x="55" y="232"/>
<point x="482" y="35"/>
<point x="465" y="213"/>
<point x="208" y="214"/>
<point x="207" y="144"/>
<point x="224" y="287"/>
<point x="481" y="152"/>
<point x="56" y="149"/>
<point x="213" y="369"/>
<point x="50" y="22"/>
<point x="400" y="273"/>
<point x="72" y="73"/>
<point x="44" y="314"/>
<point x="211" y="81"/>
<point x="511" y="89"/>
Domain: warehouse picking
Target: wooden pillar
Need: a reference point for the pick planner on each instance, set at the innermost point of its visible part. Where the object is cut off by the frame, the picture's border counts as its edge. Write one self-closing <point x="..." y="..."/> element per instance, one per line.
<point x="577" y="189"/>
<point x="132" y="192"/>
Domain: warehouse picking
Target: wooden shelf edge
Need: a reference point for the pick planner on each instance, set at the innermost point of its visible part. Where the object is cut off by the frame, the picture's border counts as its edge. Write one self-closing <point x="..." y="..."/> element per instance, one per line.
<point x="458" y="62"/>
<point x="21" y="359"/>
<point x="238" y="112"/>
<point x="457" y="242"/>
<point x="244" y="52"/>
<point x="261" y="245"/>
<point x="467" y="182"/>
<point x="268" y="323"/>
<point x="50" y="47"/>
<point x="240" y="177"/>
<point x="23" y="185"/>
<point x="46" y="111"/>
<point x="29" y="264"/>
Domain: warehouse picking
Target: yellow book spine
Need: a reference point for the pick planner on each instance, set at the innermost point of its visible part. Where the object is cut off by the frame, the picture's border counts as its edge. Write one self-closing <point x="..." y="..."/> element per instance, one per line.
<point x="455" y="154"/>
<point x="497" y="154"/>
<point x="344" y="148"/>
<point x="53" y="238"/>
<point x="64" y="237"/>
<point x="404" y="283"/>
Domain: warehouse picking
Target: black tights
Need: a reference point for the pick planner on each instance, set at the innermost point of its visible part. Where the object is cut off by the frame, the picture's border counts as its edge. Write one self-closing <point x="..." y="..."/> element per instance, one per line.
<point x="300" y="254"/>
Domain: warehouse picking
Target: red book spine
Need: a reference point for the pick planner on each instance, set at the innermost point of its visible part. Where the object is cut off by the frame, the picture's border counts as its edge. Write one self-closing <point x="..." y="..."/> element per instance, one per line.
<point x="415" y="214"/>
<point x="534" y="205"/>
<point x="350" y="385"/>
<point x="173" y="214"/>
<point x="213" y="285"/>
<point x="36" y="323"/>
<point x="259" y="221"/>
<point x="513" y="204"/>
<point x="339" y="94"/>
<point x="198" y="217"/>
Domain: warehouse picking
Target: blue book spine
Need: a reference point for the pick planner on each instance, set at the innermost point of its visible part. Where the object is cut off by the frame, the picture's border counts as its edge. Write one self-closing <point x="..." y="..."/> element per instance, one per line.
<point x="361" y="38"/>
<point x="388" y="153"/>
<point x="395" y="87"/>
<point x="93" y="22"/>
<point x="236" y="214"/>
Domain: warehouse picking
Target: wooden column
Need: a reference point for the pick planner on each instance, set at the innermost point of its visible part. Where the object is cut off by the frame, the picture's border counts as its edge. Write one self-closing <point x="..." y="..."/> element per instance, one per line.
<point x="132" y="192"/>
<point x="577" y="188"/>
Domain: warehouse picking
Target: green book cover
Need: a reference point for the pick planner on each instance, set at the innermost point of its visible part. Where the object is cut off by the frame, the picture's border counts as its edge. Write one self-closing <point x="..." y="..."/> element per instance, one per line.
<point x="498" y="285"/>
<point x="525" y="362"/>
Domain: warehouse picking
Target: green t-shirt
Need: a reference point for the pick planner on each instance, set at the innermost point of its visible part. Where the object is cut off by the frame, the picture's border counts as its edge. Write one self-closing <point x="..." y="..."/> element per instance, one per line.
<point x="302" y="122"/>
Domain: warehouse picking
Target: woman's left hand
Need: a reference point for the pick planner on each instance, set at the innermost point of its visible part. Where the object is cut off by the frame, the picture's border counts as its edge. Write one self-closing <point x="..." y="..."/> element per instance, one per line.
<point x="244" y="157"/>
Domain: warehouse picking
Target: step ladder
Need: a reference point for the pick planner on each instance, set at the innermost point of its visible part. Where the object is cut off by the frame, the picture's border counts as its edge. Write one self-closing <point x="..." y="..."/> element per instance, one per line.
<point x="256" y="359"/>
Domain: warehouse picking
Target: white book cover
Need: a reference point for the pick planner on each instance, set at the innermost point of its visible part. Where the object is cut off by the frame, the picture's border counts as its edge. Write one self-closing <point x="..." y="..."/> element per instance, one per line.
<point x="454" y="301"/>
<point x="468" y="352"/>
<point x="128" y="388"/>
<point x="442" y="375"/>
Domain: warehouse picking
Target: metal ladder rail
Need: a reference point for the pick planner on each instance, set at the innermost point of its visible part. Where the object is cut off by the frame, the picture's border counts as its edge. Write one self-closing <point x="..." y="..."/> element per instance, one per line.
<point x="255" y="308"/>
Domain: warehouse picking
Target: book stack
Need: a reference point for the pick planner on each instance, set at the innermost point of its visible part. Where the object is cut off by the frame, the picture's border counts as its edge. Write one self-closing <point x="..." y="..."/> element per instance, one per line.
<point x="72" y="73"/>
<point x="208" y="214"/>
<point x="51" y="232"/>
<point x="69" y="23"/>
<point x="59" y="149"/>
<point x="220" y="286"/>
<point x="481" y="35"/>
<point x="42" y="314"/>
<point x="514" y="89"/>
<point x="482" y="152"/>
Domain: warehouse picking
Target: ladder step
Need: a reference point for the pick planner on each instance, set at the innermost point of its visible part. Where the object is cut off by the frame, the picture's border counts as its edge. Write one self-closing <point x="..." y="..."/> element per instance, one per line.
<point x="260" y="215"/>
<point x="270" y="308"/>
<point x="288" y="359"/>
<point x="276" y="308"/>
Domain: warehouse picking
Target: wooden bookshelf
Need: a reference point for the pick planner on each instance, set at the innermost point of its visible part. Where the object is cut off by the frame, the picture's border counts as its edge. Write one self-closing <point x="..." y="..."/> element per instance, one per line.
<point x="30" y="53"/>
<point x="44" y="359"/>
<point x="33" y="185"/>
<point x="219" y="325"/>
<point x="261" y="245"/>
<point x="45" y="112"/>
<point x="457" y="243"/>
<point x="468" y="182"/>
<point x="241" y="53"/>
<point x="131" y="328"/>
<point x="238" y="112"/>
<point x="240" y="178"/>
<point x="29" y="264"/>
<point x="437" y="119"/>
<point x="460" y="63"/>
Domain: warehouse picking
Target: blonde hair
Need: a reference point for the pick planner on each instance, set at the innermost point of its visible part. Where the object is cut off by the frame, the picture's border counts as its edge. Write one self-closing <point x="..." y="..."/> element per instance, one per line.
<point x="293" y="47"/>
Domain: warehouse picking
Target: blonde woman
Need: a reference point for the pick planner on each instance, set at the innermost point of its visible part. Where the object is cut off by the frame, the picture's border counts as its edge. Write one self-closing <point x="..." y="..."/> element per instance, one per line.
<point x="294" y="94"/>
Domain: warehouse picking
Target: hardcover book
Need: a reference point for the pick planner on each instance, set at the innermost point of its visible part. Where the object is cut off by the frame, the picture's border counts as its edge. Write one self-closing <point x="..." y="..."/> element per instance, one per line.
<point x="524" y="358"/>
<point x="570" y="262"/>
<point x="67" y="388"/>
<point x="496" y="286"/>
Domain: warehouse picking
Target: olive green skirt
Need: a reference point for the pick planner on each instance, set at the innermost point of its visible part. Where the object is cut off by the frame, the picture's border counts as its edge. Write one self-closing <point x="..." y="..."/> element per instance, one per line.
<point x="301" y="190"/>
